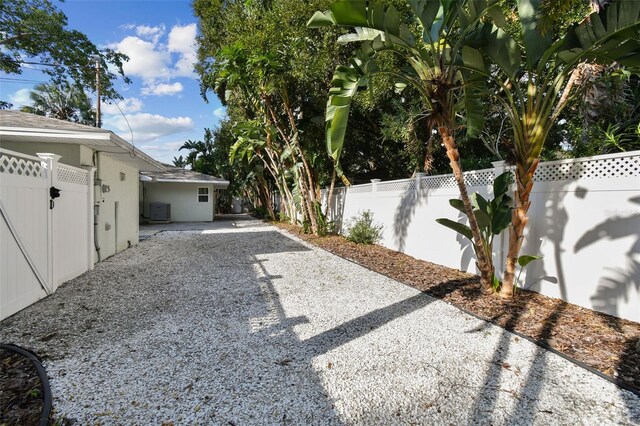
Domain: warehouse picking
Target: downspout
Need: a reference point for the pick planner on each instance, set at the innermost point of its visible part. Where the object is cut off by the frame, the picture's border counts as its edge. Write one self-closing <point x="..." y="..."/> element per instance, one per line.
<point x="96" y="205"/>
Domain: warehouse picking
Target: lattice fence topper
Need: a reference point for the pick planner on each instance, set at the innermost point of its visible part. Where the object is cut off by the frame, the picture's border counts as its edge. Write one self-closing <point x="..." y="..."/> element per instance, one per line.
<point x="397" y="185"/>
<point x="625" y="166"/>
<point x="472" y="178"/>
<point x="22" y="167"/>
<point x="360" y="188"/>
<point x="73" y="175"/>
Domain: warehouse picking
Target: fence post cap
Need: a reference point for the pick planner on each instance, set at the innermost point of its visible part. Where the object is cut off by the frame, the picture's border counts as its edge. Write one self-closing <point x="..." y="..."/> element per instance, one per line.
<point x="49" y="156"/>
<point x="375" y="180"/>
<point x="498" y="164"/>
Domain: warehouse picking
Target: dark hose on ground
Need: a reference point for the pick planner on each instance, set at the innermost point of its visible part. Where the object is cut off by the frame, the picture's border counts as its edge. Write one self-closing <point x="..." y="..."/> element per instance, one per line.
<point x="42" y="373"/>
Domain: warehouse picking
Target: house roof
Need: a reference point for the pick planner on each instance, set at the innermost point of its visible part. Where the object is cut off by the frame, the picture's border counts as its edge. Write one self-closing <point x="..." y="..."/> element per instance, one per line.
<point x="25" y="127"/>
<point x="177" y="175"/>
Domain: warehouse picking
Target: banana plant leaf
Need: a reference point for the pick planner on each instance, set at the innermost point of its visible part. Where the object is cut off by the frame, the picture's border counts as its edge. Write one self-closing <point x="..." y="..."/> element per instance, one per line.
<point x="456" y="226"/>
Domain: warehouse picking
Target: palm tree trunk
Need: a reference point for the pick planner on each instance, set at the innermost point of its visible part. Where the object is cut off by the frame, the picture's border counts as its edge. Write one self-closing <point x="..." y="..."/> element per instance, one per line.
<point x="265" y="196"/>
<point x="330" y="194"/>
<point x="519" y="220"/>
<point x="484" y="263"/>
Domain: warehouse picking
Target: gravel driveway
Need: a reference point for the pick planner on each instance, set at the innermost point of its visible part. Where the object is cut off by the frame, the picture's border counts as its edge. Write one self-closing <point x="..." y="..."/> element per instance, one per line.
<point x="240" y="324"/>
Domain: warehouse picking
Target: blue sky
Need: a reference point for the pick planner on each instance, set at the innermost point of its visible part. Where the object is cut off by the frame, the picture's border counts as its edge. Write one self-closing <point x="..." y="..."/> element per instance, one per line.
<point x="163" y="104"/>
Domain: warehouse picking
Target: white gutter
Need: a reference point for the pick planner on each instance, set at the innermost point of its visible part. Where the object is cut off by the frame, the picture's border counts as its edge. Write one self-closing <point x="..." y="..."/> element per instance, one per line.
<point x="45" y="130"/>
<point x="89" y="136"/>
<point x="106" y="135"/>
<point x="220" y="182"/>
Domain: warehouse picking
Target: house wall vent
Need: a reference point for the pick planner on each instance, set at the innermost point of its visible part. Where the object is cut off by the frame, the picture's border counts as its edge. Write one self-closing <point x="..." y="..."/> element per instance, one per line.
<point x="159" y="211"/>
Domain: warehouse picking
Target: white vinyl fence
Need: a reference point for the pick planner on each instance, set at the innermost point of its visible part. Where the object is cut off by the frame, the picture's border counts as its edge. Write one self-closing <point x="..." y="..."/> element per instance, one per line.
<point x="584" y="221"/>
<point x="43" y="242"/>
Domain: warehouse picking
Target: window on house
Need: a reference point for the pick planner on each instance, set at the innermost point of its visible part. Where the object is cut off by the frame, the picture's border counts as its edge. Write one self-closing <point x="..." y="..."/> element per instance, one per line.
<point x="203" y="195"/>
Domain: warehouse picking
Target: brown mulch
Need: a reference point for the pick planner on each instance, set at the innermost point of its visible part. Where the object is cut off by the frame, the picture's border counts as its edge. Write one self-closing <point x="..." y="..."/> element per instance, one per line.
<point x="608" y="344"/>
<point x="21" y="393"/>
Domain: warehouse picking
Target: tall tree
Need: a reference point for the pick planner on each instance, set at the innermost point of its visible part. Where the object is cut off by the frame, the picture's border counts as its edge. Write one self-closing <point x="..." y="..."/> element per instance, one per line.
<point x="63" y="101"/>
<point x="536" y="81"/>
<point x="433" y="64"/>
<point x="36" y="31"/>
<point x="255" y="56"/>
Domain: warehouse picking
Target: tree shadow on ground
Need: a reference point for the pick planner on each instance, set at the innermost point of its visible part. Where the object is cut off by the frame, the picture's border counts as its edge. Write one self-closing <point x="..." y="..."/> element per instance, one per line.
<point x="556" y="219"/>
<point x="221" y="323"/>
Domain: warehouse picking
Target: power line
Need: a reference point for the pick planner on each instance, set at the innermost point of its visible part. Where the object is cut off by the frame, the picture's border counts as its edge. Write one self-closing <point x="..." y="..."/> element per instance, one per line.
<point x="20" y="80"/>
<point x="48" y="64"/>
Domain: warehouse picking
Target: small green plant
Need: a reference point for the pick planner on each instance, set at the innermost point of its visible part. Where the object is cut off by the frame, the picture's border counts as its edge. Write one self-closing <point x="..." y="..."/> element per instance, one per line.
<point x="362" y="229"/>
<point x="261" y="212"/>
<point x="493" y="217"/>
<point x="325" y="226"/>
<point x="34" y="393"/>
<point x="523" y="261"/>
<point x="282" y="217"/>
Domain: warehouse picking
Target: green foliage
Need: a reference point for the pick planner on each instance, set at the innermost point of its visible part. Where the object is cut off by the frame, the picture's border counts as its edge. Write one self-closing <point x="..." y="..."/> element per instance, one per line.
<point x="493" y="216"/>
<point x="35" y="30"/>
<point x="604" y="120"/>
<point x="63" y="100"/>
<point x="325" y="226"/>
<point x="363" y="230"/>
<point x="180" y="161"/>
<point x="261" y="212"/>
<point x="282" y="217"/>
<point x="438" y="66"/>
<point x="523" y="261"/>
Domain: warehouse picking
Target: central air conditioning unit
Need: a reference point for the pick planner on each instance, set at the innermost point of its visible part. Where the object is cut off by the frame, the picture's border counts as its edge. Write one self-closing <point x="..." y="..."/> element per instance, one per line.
<point x="160" y="211"/>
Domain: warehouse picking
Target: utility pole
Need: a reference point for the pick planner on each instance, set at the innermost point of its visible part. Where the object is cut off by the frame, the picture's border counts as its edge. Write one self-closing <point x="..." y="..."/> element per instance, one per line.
<point x="98" y="120"/>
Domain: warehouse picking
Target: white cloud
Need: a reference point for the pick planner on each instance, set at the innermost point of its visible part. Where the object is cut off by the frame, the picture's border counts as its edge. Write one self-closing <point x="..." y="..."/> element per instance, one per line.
<point x="127" y="105"/>
<point x="150" y="33"/>
<point x="182" y="40"/>
<point x="162" y="89"/>
<point x="20" y="98"/>
<point x="220" y="113"/>
<point x="152" y="59"/>
<point x="145" y="59"/>
<point x="148" y="127"/>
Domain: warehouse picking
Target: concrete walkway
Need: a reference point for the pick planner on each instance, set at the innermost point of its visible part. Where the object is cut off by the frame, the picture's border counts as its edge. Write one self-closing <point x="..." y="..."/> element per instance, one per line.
<point x="236" y="323"/>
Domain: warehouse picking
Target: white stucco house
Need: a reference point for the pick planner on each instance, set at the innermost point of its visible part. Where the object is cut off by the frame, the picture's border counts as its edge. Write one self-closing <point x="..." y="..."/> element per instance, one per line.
<point x="179" y="195"/>
<point x="115" y="179"/>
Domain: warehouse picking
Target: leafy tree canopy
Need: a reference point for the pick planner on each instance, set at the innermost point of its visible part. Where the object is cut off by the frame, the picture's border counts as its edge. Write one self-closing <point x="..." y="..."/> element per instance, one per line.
<point x="64" y="101"/>
<point x="36" y="31"/>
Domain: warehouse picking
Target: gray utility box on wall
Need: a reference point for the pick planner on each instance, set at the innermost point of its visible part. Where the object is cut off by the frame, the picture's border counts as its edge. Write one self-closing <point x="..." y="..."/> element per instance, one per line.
<point x="159" y="211"/>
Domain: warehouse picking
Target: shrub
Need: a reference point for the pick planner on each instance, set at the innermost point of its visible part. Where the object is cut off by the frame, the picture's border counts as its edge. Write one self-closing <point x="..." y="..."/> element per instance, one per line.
<point x="362" y="229"/>
<point x="261" y="212"/>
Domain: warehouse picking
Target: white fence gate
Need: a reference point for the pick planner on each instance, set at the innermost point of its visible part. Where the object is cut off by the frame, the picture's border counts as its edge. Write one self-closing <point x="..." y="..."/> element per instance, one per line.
<point x="43" y="242"/>
<point x="584" y="221"/>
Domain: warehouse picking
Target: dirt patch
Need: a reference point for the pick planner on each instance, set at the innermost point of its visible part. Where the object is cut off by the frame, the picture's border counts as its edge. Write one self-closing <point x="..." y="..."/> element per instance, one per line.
<point x="608" y="344"/>
<point x="21" y="392"/>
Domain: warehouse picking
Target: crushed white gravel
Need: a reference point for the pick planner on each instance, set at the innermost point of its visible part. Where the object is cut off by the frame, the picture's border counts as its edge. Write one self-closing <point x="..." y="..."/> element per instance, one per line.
<point x="241" y="324"/>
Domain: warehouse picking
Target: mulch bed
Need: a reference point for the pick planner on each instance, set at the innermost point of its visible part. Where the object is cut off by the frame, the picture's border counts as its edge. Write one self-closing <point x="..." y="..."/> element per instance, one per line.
<point x="21" y="393"/>
<point x="608" y="344"/>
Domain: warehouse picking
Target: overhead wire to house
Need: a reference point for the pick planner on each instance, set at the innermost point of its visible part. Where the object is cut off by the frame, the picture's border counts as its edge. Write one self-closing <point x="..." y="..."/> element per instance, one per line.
<point x="46" y="64"/>
<point x="133" y="154"/>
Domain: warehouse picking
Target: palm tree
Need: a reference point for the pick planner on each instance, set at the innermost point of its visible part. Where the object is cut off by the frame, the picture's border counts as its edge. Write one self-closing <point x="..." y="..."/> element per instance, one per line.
<point x="536" y="83"/>
<point x="253" y="78"/>
<point x="434" y="67"/>
<point x="61" y="100"/>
